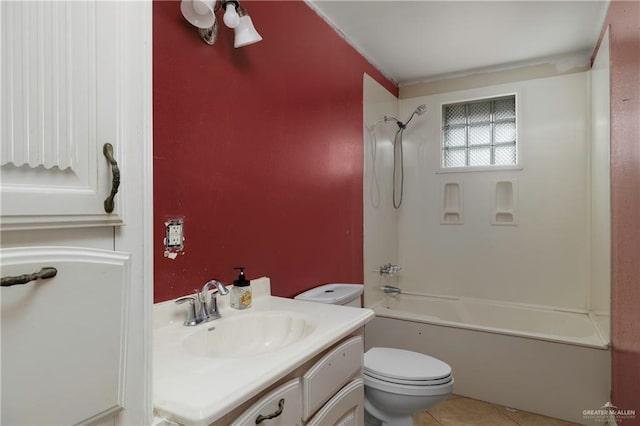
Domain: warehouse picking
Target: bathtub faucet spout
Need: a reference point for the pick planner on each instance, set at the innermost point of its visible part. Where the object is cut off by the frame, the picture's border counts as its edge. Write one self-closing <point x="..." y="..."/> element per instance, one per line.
<point x="389" y="289"/>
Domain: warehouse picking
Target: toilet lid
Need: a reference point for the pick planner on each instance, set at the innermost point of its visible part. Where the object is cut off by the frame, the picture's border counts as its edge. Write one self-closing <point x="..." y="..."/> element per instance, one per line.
<point x="404" y="365"/>
<point x="334" y="294"/>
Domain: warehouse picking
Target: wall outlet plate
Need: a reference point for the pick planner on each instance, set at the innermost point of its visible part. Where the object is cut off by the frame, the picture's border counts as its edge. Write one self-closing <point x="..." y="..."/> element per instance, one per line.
<point x="174" y="240"/>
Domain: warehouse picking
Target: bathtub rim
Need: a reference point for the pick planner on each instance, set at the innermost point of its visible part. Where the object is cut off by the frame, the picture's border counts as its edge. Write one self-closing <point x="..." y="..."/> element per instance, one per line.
<point x="568" y="340"/>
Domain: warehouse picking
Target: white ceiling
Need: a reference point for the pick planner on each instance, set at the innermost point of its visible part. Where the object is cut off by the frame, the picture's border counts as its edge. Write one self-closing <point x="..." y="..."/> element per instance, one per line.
<point x="412" y="41"/>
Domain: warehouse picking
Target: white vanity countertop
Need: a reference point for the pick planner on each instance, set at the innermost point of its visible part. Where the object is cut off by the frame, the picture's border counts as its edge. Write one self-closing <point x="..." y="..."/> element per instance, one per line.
<point x="197" y="390"/>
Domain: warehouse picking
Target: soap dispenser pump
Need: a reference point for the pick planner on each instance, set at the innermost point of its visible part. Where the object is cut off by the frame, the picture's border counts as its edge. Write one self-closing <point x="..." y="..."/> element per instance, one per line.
<point x="241" y="291"/>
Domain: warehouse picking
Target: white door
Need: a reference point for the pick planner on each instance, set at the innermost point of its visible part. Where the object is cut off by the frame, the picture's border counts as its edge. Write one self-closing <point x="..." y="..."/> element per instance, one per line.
<point x="75" y="76"/>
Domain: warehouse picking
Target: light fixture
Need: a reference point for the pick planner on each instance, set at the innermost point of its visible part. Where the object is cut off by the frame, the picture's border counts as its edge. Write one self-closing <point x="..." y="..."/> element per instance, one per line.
<point x="202" y="14"/>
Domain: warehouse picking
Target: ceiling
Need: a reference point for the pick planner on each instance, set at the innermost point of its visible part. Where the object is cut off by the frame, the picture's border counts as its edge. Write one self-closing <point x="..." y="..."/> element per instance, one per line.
<point x="411" y="41"/>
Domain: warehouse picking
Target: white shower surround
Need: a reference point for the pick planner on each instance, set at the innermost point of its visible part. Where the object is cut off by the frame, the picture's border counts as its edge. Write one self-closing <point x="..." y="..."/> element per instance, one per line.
<point x="544" y="260"/>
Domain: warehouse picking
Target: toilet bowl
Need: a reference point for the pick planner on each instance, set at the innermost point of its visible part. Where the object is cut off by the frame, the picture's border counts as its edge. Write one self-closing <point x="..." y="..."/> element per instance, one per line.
<point x="397" y="382"/>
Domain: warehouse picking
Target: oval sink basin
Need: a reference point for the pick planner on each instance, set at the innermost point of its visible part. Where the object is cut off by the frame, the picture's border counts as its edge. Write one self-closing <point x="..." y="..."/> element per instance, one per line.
<point x="247" y="335"/>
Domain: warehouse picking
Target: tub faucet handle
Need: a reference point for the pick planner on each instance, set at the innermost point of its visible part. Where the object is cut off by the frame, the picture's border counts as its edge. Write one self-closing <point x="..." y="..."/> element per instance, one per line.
<point x="388" y="269"/>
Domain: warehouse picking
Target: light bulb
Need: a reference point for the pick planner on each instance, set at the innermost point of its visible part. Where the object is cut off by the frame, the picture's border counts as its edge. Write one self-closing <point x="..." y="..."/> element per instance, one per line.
<point x="231" y="18"/>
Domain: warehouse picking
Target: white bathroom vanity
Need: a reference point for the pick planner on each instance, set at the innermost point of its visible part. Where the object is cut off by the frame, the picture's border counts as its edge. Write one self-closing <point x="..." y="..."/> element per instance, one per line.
<point x="299" y="362"/>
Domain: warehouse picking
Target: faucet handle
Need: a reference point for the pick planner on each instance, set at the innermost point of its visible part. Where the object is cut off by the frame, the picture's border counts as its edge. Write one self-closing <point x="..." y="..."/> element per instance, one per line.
<point x="191" y="312"/>
<point x="212" y="312"/>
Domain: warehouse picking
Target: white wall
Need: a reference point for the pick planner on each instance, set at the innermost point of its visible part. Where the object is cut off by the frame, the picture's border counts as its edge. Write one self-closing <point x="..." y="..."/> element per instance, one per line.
<point x="600" y="182"/>
<point x="545" y="258"/>
<point x="380" y="218"/>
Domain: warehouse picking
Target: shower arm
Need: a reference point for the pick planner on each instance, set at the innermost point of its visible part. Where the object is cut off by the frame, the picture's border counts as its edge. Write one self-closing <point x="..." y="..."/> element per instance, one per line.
<point x="421" y="109"/>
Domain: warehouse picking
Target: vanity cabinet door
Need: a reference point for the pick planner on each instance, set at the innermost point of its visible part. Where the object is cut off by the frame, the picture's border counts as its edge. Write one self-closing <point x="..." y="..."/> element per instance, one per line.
<point x="63" y="97"/>
<point x="280" y="407"/>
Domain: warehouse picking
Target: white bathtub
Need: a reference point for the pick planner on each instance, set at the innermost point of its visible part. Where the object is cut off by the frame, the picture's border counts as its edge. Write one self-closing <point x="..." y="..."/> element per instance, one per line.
<point x="579" y="328"/>
<point x="546" y="361"/>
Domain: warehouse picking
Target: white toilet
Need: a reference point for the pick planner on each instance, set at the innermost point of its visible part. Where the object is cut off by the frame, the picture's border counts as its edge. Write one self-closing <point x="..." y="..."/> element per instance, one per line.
<point x="397" y="382"/>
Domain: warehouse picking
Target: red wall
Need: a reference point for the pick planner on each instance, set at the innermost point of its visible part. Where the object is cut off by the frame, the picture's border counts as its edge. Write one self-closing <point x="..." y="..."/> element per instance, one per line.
<point x="624" y="39"/>
<point x="260" y="150"/>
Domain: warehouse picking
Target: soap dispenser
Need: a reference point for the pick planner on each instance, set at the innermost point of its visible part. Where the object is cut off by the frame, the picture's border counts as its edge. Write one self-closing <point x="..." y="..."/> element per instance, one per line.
<point x="241" y="291"/>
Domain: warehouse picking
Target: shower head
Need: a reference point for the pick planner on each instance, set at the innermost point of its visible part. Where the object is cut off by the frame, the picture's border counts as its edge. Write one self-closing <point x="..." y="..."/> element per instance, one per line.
<point x="418" y="111"/>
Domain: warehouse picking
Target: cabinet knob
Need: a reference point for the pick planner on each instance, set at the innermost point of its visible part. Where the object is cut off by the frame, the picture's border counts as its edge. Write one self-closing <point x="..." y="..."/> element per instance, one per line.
<point x="109" y="204"/>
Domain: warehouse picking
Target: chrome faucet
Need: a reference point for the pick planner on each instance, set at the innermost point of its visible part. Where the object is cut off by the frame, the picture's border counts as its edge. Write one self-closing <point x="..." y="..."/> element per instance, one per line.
<point x="209" y="309"/>
<point x="389" y="289"/>
<point x="201" y="310"/>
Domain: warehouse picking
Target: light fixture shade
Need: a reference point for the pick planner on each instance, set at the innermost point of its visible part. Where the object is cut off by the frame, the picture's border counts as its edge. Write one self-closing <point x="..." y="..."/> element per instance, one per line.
<point x="199" y="13"/>
<point x="245" y="33"/>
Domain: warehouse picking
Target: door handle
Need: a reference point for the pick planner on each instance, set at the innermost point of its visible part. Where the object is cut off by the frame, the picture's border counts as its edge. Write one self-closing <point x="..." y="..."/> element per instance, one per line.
<point x="109" y="204"/>
<point x="262" y="418"/>
<point x="44" y="273"/>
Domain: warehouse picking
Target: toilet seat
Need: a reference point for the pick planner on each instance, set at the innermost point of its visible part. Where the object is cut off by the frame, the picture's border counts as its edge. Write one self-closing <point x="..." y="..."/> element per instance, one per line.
<point x="405" y="367"/>
<point x="409" y="390"/>
<point x="434" y="382"/>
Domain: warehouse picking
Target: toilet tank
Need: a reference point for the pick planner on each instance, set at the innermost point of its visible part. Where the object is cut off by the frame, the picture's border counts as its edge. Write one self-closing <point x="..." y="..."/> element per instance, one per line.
<point x="334" y="294"/>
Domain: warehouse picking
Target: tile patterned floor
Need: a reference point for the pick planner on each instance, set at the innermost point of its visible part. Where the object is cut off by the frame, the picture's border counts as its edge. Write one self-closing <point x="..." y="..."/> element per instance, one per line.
<point x="462" y="411"/>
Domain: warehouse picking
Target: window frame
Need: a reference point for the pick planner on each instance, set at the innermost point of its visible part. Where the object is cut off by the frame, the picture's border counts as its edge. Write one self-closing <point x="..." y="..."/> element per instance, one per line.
<point x="460" y="99"/>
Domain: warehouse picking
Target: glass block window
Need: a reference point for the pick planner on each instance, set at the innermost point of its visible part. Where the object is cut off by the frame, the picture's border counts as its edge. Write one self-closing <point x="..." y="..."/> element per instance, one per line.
<point x="480" y="133"/>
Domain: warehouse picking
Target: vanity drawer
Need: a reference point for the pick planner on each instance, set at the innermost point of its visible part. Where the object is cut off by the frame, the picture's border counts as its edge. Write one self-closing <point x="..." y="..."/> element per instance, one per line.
<point x="330" y="374"/>
<point x="282" y="404"/>
<point x="345" y="408"/>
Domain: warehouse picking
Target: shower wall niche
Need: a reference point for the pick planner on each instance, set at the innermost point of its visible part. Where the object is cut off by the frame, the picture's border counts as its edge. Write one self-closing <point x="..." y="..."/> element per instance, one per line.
<point x="505" y="203"/>
<point x="452" y="198"/>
